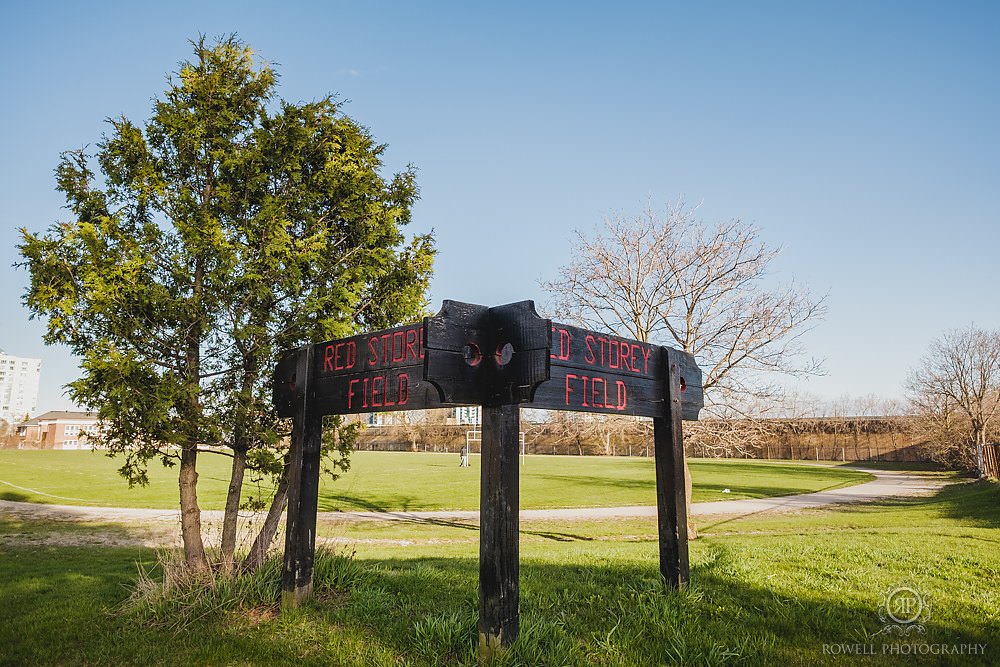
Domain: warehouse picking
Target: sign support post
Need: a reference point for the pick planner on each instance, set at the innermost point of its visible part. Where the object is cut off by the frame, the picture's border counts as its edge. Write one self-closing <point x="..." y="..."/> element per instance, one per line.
<point x="671" y="502"/>
<point x="303" y="491"/>
<point x="499" y="506"/>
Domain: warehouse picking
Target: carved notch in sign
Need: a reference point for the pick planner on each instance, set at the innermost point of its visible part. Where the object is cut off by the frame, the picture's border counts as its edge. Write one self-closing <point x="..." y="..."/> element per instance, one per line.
<point x="487" y="356"/>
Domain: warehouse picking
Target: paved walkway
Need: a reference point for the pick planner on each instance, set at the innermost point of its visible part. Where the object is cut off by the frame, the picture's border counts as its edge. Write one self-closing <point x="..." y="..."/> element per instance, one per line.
<point x="887" y="484"/>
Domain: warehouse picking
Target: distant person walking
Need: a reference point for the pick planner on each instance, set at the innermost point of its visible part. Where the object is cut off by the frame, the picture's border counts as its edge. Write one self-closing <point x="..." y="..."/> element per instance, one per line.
<point x="464" y="462"/>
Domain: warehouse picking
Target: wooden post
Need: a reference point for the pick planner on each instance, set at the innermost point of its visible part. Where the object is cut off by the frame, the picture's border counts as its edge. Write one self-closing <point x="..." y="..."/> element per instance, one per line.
<point x="671" y="505"/>
<point x="303" y="493"/>
<point x="498" y="529"/>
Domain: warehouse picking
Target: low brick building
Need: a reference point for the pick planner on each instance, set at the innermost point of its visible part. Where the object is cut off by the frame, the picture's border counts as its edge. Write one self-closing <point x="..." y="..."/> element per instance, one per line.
<point x="60" y="429"/>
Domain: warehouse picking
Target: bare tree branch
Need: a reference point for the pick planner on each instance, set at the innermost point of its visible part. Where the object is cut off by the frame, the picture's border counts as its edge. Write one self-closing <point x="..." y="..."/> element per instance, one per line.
<point x="668" y="277"/>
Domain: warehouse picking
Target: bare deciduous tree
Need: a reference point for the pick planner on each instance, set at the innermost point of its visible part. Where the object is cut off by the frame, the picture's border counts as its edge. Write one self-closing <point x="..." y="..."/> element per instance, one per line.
<point x="670" y="278"/>
<point x="959" y="380"/>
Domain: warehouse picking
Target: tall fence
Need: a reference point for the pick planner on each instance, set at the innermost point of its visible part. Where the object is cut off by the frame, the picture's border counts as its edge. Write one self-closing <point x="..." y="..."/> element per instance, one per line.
<point x="895" y="446"/>
<point x="812" y="452"/>
<point x="991" y="461"/>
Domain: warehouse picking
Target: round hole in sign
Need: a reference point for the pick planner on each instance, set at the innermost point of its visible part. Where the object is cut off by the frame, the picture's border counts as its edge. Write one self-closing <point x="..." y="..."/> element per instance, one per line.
<point x="504" y="354"/>
<point x="684" y="385"/>
<point x="472" y="354"/>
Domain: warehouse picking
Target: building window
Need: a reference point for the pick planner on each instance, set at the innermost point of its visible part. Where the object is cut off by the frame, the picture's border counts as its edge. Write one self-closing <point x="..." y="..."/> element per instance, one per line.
<point x="468" y="415"/>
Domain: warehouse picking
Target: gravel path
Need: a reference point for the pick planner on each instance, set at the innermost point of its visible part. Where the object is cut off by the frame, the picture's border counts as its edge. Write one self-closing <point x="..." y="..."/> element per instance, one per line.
<point x="887" y="484"/>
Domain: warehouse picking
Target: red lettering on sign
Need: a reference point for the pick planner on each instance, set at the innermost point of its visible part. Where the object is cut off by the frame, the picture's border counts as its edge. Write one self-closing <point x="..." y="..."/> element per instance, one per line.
<point x="595" y="392"/>
<point x="350" y="391"/>
<point x="386" y="346"/>
<point x="625" y="352"/>
<point x="385" y="394"/>
<point x="564" y="344"/>
<point x="401" y="337"/>
<point x="340" y="356"/>
<point x="614" y="354"/>
<point x="373" y="351"/>
<point x="411" y="343"/>
<point x="403" y="389"/>
<point x="569" y="390"/>
<point x="379" y="391"/>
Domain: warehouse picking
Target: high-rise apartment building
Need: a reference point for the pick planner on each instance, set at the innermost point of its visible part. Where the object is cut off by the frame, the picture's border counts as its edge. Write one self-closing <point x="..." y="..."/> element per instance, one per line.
<point x="19" y="379"/>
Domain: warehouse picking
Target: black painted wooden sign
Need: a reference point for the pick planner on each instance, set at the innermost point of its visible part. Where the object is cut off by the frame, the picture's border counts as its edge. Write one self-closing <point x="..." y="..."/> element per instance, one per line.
<point x="595" y="372"/>
<point x="503" y="358"/>
<point x="474" y="355"/>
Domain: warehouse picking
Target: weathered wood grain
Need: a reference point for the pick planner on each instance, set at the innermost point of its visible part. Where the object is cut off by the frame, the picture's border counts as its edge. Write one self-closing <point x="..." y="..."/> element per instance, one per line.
<point x="617" y="359"/>
<point x="386" y="390"/>
<point x="499" y="503"/>
<point x="671" y="502"/>
<point x="303" y="494"/>
<point x="486" y="356"/>
<point x="583" y="390"/>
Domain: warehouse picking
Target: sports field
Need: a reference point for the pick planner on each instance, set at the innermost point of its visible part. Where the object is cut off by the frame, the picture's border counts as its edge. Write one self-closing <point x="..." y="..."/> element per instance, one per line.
<point x="405" y="481"/>
<point x="800" y="589"/>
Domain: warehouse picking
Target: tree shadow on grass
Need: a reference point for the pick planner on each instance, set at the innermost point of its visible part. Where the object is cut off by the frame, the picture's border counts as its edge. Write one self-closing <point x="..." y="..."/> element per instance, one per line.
<point x="902" y="466"/>
<point x="599" y="481"/>
<point x="976" y="502"/>
<point x="472" y="525"/>
<point x="622" y="614"/>
<point x="577" y="607"/>
<point x="395" y="503"/>
<point x="741" y="491"/>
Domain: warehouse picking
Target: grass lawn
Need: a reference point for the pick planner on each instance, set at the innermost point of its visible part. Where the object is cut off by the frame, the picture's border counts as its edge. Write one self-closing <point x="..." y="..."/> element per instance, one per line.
<point x="765" y="590"/>
<point x="405" y="481"/>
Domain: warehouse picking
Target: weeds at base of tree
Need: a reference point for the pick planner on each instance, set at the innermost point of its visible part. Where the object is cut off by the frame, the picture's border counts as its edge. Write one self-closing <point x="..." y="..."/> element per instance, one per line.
<point x="171" y="596"/>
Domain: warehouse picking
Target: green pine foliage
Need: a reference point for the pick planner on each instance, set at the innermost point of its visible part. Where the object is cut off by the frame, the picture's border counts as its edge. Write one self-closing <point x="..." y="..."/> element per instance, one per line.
<point x="228" y="227"/>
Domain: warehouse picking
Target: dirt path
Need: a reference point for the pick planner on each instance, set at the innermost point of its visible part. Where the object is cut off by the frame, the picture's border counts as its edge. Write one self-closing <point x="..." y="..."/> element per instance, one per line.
<point x="886" y="485"/>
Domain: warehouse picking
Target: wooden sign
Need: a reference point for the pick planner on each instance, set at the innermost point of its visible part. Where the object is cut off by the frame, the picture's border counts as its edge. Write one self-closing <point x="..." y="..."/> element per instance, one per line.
<point x="595" y="372"/>
<point x="473" y="355"/>
<point x="380" y="371"/>
<point x="502" y="358"/>
<point x="487" y="356"/>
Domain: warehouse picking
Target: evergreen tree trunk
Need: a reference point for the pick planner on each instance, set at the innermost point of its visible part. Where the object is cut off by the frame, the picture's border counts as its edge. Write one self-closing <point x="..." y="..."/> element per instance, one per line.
<point x="194" y="547"/>
<point x="231" y="517"/>
<point x="258" y="551"/>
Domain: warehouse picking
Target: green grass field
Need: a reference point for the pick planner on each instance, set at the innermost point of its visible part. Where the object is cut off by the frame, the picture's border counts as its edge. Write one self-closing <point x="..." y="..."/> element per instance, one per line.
<point x="405" y="481"/>
<point x="766" y="590"/>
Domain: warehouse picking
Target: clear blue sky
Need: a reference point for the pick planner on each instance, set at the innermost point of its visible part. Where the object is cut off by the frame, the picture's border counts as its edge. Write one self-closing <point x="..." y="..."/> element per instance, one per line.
<point x="862" y="137"/>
